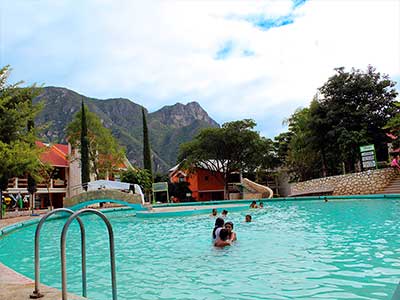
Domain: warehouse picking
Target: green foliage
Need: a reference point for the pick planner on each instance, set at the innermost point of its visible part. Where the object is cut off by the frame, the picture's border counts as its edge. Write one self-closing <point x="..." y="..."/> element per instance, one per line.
<point x="146" y="145"/>
<point x="234" y="146"/>
<point x="18" y="155"/>
<point x="393" y="126"/>
<point x="180" y="190"/>
<point x="351" y="111"/>
<point x="104" y="152"/>
<point x="141" y="177"/>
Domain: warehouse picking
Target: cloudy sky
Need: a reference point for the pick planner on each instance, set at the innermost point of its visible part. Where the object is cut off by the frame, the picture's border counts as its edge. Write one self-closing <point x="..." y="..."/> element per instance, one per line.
<point x="238" y="59"/>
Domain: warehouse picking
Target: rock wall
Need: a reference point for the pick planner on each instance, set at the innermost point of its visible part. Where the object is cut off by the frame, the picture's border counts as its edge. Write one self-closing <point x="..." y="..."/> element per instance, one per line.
<point x="368" y="182"/>
<point x="102" y="194"/>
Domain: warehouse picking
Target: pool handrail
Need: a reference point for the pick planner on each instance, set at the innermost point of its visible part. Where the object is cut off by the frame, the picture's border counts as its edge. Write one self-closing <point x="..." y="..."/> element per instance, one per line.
<point x="63" y="250"/>
<point x="36" y="293"/>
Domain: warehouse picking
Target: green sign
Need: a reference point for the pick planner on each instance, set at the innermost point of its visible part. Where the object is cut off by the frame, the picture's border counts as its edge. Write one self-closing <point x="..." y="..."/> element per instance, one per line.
<point x="160" y="186"/>
<point x="368" y="157"/>
<point x="367" y="148"/>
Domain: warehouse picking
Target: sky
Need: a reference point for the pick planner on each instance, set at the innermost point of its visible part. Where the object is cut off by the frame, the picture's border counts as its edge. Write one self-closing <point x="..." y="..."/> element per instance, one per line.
<point x="239" y="59"/>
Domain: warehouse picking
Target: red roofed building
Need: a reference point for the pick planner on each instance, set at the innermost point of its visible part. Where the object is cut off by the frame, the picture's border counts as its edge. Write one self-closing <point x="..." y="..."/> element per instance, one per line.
<point x="64" y="178"/>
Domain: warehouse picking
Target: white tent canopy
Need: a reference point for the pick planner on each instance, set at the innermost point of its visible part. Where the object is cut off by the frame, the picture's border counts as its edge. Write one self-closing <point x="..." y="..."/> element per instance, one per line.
<point x="115" y="185"/>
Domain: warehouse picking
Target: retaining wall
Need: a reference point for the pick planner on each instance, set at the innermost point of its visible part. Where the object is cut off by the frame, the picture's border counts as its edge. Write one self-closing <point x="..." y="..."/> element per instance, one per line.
<point x="368" y="182"/>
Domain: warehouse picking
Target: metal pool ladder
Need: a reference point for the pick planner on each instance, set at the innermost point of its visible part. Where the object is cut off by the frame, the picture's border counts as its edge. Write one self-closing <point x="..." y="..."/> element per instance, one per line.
<point x="73" y="215"/>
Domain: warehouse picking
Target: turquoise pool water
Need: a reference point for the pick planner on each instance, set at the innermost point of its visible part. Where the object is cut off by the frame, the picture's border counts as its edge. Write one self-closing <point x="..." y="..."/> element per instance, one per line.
<point x="293" y="250"/>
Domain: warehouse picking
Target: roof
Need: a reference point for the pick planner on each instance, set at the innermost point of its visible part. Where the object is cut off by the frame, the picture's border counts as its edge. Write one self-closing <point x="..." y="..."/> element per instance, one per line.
<point x="54" y="155"/>
<point x="210" y="164"/>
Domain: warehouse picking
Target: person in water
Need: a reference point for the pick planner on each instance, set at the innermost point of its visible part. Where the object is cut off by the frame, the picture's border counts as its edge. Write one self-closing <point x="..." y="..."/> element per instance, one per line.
<point x="253" y="204"/>
<point x="224" y="213"/>
<point x="248" y="219"/>
<point x="231" y="234"/>
<point x="219" y="224"/>
<point x="222" y="241"/>
<point x="214" y="212"/>
<point x="261" y="204"/>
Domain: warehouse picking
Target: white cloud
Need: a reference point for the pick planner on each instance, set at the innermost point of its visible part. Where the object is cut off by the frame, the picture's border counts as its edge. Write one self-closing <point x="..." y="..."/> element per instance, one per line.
<point x="161" y="52"/>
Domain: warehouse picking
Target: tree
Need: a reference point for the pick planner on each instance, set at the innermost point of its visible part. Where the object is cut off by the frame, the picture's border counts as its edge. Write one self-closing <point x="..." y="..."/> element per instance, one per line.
<point x="138" y="176"/>
<point x="104" y="152"/>
<point x="146" y="145"/>
<point x="393" y="126"/>
<point x="17" y="155"/>
<point x="85" y="164"/>
<point x="354" y="108"/>
<point x="351" y="110"/>
<point x="233" y="147"/>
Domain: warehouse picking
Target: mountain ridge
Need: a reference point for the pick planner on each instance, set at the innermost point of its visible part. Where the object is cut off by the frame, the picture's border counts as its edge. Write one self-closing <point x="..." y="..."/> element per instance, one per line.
<point x="168" y="126"/>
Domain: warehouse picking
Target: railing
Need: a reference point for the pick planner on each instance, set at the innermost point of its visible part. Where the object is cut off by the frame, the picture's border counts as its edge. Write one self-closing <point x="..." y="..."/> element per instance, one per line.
<point x="63" y="251"/>
<point x="36" y="293"/>
<point x="74" y="215"/>
<point x="22" y="183"/>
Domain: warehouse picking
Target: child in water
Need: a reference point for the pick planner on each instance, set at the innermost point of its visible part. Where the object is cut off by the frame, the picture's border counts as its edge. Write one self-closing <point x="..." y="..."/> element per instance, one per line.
<point x="219" y="224"/>
<point x="214" y="212"/>
<point x="248" y="219"/>
<point x="231" y="234"/>
<point x="222" y="241"/>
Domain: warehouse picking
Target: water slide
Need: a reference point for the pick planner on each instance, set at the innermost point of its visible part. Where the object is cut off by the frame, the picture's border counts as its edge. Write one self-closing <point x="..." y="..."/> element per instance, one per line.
<point x="257" y="188"/>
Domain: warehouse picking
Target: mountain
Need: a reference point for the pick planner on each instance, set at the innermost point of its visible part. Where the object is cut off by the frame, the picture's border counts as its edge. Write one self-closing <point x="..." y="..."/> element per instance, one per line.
<point x="168" y="127"/>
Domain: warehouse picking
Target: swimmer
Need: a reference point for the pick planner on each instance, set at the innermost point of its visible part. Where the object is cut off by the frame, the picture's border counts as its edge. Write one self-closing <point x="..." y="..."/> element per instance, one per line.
<point x="222" y="241"/>
<point x="213" y="213"/>
<point x="219" y="224"/>
<point x="248" y="218"/>
<point x="253" y="204"/>
<point x="231" y="234"/>
<point x="261" y="204"/>
<point x="224" y="213"/>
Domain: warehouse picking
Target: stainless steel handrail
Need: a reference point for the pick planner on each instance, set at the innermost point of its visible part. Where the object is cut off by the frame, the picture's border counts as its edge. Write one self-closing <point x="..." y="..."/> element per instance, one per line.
<point x="63" y="250"/>
<point x="36" y="293"/>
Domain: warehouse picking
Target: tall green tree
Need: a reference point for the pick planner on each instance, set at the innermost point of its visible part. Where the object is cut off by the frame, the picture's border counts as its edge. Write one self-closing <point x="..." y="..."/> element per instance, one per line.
<point x="393" y="126"/>
<point x="146" y="145"/>
<point x="17" y="156"/>
<point x="233" y="147"/>
<point x="354" y="108"/>
<point x="84" y="147"/>
<point x="103" y="150"/>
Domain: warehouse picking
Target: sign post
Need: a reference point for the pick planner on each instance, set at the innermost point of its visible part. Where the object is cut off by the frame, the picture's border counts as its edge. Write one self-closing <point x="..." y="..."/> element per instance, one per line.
<point x="160" y="187"/>
<point x="368" y="157"/>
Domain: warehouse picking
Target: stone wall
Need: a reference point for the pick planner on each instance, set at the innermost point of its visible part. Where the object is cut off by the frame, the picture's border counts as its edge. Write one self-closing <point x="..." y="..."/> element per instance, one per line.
<point x="103" y="194"/>
<point x="368" y="182"/>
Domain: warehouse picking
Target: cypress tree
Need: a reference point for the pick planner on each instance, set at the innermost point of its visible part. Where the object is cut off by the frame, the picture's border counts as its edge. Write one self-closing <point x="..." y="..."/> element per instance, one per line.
<point x="146" y="145"/>
<point x="32" y="186"/>
<point x="85" y="170"/>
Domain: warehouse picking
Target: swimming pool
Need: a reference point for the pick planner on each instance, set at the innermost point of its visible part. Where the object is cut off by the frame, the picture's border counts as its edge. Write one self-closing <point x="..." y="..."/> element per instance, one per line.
<point x="343" y="249"/>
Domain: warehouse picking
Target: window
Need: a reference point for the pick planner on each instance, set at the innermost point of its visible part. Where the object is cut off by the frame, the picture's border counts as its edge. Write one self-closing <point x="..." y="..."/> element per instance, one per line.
<point x="206" y="178"/>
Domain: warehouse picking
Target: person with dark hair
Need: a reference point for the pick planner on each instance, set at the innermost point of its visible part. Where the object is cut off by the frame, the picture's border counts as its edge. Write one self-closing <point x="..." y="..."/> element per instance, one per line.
<point x="261" y="204"/>
<point x="222" y="241"/>
<point x="253" y="204"/>
<point x="224" y="213"/>
<point x="214" y="212"/>
<point x="219" y="224"/>
<point x="231" y="234"/>
<point x="248" y="218"/>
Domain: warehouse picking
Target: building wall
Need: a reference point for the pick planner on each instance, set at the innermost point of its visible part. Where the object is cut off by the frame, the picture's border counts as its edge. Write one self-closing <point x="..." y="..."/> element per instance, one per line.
<point x="368" y="182"/>
<point x="203" y="181"/>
